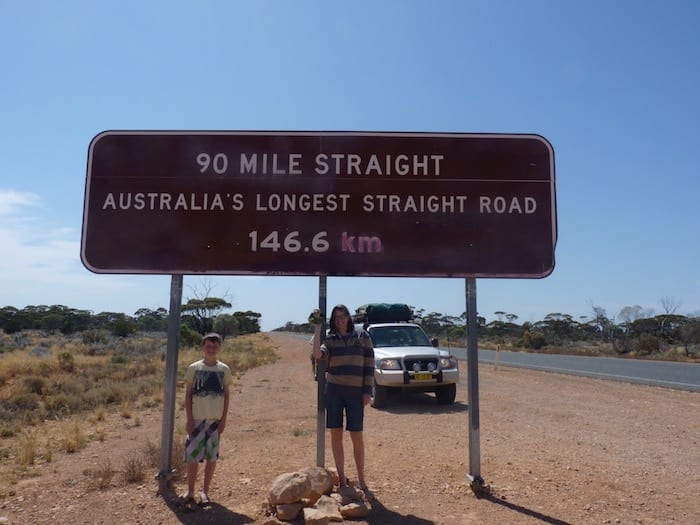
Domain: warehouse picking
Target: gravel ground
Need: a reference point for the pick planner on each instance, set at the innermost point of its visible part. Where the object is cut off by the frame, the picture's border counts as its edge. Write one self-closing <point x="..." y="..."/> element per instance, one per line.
<point x="554" y="449"/>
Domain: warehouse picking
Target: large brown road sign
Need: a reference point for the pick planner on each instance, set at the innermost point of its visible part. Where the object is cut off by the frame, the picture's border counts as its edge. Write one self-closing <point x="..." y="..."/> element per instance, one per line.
<point x="320" y="203"/>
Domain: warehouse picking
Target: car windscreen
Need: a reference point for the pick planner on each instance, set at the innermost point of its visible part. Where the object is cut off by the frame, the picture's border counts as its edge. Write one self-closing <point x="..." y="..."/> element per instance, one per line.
<point x="384" y="336"/>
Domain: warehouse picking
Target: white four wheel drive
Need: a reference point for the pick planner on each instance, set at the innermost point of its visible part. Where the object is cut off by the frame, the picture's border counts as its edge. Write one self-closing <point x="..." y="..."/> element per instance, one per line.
<point x="405" y="357"/>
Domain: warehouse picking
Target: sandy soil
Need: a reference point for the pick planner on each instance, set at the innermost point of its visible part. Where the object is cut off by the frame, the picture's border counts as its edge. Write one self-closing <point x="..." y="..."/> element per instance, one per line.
<point x="554" y="449"/>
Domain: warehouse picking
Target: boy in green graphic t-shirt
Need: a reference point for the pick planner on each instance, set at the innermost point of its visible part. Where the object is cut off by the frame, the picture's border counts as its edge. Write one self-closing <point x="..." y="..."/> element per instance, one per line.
<point x="206" y="406"/>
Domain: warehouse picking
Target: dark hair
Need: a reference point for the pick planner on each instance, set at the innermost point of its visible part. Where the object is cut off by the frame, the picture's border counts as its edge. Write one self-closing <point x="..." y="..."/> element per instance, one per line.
<point x="344" y="309"/>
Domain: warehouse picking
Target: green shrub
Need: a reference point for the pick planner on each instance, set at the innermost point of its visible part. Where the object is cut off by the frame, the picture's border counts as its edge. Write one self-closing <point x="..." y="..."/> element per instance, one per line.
<point x="66" y="361"/>
<point x="26" y="402"/>
<point x="92" y="337"/>
<point x="23" y="408"/>
<point x="61" y="405"/>
<point x="189" y="337"/>
<point x="532" y="340"/>
<point x="123" y="328"/>
<point x="12" y="327"/>
<point x="647" y="344"/>
<point x="74" y="386"/>
<point x="35" y="384"/>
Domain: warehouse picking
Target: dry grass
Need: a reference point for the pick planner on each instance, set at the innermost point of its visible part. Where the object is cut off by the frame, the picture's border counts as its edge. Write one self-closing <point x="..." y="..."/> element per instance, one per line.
<point x="102" y="477"/>
<point x="27" y="448"/>
<point x="70" y="389"/>
<point x="53" y="377"/>
<point x="134" y="470"/>
<point x="73" y="437"/>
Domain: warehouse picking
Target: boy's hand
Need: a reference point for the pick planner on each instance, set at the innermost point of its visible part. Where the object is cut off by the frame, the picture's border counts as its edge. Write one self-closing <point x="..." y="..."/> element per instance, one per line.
<point x="315" y="317"/>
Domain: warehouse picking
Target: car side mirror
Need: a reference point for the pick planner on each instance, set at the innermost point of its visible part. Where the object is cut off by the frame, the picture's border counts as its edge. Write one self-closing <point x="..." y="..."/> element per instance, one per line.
<point x="434" y="341"/>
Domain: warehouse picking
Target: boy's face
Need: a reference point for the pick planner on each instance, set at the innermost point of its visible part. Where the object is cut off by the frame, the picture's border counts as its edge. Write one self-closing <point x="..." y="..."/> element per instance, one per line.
<point x="210" y="349"/>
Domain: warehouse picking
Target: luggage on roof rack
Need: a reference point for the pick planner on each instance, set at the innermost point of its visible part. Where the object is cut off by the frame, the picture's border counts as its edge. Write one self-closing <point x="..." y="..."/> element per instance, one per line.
<point x="384" y="313"/>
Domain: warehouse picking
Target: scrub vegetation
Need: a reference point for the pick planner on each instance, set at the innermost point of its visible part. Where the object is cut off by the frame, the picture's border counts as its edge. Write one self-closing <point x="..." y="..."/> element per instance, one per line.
<point x="58" y="390"/>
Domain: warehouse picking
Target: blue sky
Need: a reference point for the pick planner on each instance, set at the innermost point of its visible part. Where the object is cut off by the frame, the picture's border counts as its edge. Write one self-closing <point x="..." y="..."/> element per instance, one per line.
<point x="612" y="85"/>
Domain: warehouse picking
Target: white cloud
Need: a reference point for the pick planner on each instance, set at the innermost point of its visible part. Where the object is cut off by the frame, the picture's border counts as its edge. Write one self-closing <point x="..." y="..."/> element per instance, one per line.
<point x="12" y="201"/>
<point x="40" y="262"/>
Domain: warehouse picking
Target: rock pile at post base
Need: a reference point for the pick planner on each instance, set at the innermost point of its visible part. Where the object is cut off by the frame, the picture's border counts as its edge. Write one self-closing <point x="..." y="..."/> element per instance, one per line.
<point x="309" y="493"/>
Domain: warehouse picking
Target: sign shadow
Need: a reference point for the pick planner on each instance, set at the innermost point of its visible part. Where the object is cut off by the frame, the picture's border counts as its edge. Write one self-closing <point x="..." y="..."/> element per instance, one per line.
<point x="522" y="510"/>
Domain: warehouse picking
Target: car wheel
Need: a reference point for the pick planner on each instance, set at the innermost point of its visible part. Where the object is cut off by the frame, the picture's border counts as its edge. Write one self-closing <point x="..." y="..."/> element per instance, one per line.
<point x="381" y="393"/>
<point x="446" y="394"/>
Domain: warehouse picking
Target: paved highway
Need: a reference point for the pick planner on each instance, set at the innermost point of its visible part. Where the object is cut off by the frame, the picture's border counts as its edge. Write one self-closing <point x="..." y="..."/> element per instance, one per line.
<point x="668" y="374"/>
<point x="683" y="376"/>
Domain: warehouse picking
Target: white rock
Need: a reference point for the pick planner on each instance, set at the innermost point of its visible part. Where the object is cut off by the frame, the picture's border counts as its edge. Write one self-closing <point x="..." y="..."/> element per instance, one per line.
<point x="289" y="487"/>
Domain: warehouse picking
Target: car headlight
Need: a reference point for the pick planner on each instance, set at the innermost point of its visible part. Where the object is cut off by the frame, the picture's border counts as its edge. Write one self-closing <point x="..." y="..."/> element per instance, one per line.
<point x="448" y="362"/>
<point x="389" y="364"/>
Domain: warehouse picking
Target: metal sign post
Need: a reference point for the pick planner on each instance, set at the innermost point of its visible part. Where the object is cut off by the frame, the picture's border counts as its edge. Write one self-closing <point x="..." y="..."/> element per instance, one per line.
<point x="166" y="444"/>
<point x="321" y="385"/>
<point x="474" y="475"/>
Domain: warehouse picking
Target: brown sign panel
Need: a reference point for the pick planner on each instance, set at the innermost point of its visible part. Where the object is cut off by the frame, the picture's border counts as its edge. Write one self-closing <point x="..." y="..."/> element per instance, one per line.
<point x="308" y="203"/>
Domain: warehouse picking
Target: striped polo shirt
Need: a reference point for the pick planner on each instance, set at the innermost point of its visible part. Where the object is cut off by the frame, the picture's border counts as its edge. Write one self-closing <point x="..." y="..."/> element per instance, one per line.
<point x="350" y="362"/>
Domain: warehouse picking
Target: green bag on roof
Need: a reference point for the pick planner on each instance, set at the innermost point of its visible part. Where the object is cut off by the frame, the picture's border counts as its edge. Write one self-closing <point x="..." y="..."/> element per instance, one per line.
<point x="388" y="313"/>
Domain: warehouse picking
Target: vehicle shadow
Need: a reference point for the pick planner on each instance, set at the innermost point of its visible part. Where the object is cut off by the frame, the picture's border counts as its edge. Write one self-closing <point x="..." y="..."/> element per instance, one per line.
<point x="193" y="514"/>
<point x="419" y="403"/>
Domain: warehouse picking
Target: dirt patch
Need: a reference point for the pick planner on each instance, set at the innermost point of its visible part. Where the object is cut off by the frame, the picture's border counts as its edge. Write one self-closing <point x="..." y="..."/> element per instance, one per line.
<point x="554" y="449"/>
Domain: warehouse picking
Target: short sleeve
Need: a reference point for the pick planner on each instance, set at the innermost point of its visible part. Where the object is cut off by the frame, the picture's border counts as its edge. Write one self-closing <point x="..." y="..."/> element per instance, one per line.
<point x="189" y="374"/>
<point x="228" y="377"/>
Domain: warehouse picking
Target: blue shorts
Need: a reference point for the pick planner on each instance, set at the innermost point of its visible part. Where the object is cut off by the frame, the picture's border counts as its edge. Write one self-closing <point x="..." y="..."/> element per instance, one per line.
<point x="336" y="404"/>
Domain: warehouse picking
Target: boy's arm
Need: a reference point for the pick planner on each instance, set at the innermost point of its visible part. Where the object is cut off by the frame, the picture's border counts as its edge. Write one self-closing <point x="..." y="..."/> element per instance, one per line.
<point x="189" y="424"/>
<point x="222" y="421"/>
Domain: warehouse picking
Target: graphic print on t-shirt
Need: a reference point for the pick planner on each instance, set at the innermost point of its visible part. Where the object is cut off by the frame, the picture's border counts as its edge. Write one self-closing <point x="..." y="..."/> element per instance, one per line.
<point x="208" y="383"/>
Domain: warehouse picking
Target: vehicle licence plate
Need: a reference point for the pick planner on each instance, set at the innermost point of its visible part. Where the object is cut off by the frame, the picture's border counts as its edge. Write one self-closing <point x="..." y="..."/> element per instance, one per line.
<point x="422" y="376"/>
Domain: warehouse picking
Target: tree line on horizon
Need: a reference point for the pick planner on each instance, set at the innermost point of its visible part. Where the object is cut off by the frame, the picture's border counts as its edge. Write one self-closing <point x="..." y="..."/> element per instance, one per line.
<point x="632" y="331"/>
<point x="198" y="316"/>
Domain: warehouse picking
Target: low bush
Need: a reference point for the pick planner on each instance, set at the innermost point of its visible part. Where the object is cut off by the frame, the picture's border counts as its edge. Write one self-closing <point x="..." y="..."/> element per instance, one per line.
<point x="61" y="405"/>
<point x="66" y="361"/>
<point x="532" y="340"/>
<point x="35" y="384"/>
<point x="73" y="437"/>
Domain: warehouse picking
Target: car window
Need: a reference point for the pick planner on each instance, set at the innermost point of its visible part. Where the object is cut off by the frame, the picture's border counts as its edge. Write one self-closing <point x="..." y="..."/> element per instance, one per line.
<point x="383" y="336"/>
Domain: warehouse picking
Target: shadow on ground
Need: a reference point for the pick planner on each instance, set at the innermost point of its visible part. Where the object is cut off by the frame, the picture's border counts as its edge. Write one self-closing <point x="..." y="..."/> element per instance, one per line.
<point x="194" y="514"/>
<point x="522" y="510"/>
<point x="380" y="515"/>
<point x="403" y="402"/>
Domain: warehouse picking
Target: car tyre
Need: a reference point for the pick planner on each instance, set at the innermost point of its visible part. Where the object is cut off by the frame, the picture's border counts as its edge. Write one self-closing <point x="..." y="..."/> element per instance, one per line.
<point x="446" y="394"/>
<point x="380" y="396"/>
